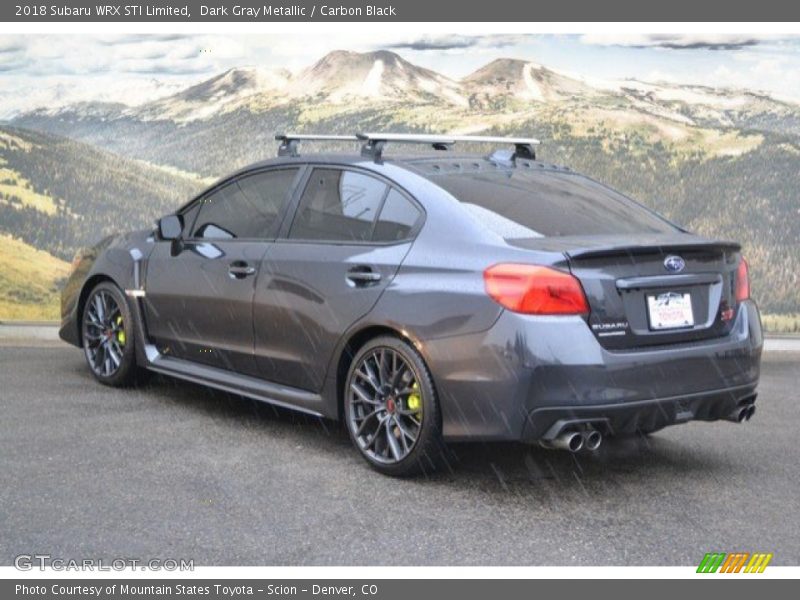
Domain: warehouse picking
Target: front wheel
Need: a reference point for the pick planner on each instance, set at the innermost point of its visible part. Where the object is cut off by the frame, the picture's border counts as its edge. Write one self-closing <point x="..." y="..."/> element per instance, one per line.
<point x="391" y="409"/>
<point x="107" y="335"/>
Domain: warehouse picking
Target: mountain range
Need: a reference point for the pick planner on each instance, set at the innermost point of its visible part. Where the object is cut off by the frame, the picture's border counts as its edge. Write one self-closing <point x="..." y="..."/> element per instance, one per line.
<point x="723" y="162"/>
<point x="343" y="78"/>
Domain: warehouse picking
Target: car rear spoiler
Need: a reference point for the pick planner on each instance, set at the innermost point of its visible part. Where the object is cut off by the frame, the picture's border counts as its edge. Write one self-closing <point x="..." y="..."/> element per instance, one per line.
<point x="635" y="249"/>
<point x="608" y="245"/>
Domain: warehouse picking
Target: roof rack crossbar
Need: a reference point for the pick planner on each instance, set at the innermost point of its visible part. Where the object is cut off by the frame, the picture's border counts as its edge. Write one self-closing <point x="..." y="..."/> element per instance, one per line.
<point x="374" y="143"/>
<point x="290" y="141"/>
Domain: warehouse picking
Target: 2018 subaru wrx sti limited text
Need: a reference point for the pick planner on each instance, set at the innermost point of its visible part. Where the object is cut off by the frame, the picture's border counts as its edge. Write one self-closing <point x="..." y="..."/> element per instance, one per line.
<point x="428" y="299"/>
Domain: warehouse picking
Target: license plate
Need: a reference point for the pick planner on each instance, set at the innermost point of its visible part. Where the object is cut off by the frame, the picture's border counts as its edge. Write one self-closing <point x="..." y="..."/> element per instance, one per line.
<point x="670" y="310"/>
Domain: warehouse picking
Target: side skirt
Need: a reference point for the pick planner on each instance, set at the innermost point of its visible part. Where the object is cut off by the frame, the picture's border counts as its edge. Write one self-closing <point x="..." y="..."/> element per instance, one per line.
<point x="251" y="387"/>
<point x="148" y="357"/>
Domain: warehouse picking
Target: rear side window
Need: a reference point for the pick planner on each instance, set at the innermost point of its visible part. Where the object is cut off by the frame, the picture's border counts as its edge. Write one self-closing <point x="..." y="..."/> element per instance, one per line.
<point x="245" y="208"/>
<point x="397" y="220"/>
<point x="523" y="204"/>
<point x="338" y="205"/>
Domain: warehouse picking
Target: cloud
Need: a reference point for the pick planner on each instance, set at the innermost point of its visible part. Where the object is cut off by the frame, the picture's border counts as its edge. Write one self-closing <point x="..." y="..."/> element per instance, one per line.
<point x="166" y="55"/>
<point x="11" y="48"/>
<point x="165" y="68"/>
<point x="135" y="38"/>
<point x="8" y="67"/>
<point x="458" y="42"/>
<point x="679" y="41"/>
<point x="440" y="43"/>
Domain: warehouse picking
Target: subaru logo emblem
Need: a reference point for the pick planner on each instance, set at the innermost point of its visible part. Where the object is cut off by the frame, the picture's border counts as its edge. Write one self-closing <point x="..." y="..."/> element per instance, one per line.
<point x="674" y="264"/>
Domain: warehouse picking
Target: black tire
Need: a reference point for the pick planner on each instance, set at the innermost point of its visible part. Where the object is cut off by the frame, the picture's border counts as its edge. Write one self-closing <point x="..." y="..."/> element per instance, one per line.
<point x="427" y="452"/>
<point x="116" y="341"/>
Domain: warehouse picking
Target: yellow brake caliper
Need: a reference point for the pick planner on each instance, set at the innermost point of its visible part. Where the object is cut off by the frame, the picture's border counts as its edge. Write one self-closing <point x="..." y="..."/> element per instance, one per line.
<point x="415" y="401"/>
<point x="121" y="332"/>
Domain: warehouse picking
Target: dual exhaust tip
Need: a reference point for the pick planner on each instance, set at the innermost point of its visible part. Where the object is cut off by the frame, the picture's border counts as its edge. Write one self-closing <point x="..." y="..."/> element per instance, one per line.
<point x="591" y="439"/>
<point x="575" y="441"/>
<point x="742" y="413"/>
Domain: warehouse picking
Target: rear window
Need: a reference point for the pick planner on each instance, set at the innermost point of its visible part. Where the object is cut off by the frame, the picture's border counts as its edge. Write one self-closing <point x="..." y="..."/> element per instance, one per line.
<point x="518" y="203"/>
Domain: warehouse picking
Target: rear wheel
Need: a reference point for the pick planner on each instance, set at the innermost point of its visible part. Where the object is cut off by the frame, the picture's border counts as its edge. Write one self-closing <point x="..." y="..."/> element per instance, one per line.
<point x="107" y="335"/>
<point x="391" y="409"/>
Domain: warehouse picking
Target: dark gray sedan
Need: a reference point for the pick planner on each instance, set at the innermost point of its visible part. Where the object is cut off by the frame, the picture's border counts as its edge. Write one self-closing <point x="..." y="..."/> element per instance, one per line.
<point x="429" y="299"/>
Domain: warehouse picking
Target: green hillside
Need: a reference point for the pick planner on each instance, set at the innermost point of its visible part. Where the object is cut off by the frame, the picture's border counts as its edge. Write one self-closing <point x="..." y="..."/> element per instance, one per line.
<point x="30" y="281"/>
<point x="58" y="195"/>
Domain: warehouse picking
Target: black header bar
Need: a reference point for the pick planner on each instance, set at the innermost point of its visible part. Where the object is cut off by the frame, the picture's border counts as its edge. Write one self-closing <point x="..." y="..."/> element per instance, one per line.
<point x="400" y="11"/>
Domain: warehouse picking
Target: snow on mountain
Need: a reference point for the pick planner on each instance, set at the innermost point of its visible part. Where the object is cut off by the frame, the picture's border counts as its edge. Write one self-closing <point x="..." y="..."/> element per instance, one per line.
<point x="342" y="76"/>
<point x="70" y="93"/>
<point x="222" y="93"/>
<point x="525" y="80"/>
<point x="338" y="78"/>
<point x="709" y="106"/>
<point x="683" y="104"/>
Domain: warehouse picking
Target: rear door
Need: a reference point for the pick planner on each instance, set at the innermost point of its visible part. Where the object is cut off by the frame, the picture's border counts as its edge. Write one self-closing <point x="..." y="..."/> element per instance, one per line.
<point x="199" y="303"/>
<point x="329" y="270"/>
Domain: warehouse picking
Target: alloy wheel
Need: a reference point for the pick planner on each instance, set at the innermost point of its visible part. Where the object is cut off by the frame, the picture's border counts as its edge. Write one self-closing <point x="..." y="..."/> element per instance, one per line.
<point x="386" y="408"/>
<point x="104" y="336"/>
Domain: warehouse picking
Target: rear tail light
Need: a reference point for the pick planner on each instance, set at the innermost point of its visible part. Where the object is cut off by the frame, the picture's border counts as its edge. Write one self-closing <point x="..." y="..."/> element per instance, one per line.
<point x="742" y="281"/>
<point x="535" y="290"/>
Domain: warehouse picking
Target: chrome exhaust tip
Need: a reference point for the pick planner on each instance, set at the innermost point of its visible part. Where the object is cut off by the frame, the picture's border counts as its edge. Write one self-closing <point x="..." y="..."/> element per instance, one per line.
<point x="739" y="415"/>
<point x="751" y="410"/>
<point x="570" y="440"/>
<point x="592" y="440"/>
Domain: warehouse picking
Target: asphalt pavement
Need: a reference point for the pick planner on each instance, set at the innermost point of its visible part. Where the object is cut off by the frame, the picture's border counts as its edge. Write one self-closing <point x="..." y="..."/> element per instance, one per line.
<point x="173" y="470"/>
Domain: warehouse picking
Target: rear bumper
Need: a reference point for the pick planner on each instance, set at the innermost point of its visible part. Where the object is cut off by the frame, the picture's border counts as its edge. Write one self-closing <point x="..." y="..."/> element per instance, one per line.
<point x="641" y="415"/>
<point x="517" y="380"/>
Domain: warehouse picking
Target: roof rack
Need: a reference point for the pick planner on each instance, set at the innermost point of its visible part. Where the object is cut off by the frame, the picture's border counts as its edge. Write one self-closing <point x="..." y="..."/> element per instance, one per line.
<point x="375" y="142"/>
<point x="289" y="141"/>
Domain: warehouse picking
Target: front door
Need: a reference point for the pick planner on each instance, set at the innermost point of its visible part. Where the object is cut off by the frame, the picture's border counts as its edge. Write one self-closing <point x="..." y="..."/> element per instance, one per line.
<point x="199" y="302"/>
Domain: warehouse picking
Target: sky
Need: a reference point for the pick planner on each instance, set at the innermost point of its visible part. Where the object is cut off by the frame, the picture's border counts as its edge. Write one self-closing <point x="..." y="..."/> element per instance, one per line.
<point x="51" y="70"/>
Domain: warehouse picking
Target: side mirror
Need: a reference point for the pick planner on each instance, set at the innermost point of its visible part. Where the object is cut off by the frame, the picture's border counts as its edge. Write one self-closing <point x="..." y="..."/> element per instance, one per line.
<point x="170" y="227"/>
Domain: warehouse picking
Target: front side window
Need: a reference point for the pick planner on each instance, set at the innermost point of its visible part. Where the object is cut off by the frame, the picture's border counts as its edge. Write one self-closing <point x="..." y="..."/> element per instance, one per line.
<point x="338" y="205"/>
<point x="245" y="208"/>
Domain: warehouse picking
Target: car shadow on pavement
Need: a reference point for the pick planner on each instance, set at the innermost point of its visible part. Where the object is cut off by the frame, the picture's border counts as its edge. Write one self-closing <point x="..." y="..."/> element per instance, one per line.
<point x="516" y="467"/>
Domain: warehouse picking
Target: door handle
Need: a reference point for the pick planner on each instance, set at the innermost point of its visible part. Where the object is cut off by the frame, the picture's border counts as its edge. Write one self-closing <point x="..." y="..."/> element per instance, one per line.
<point x="363" y="275"/>
<point x="240" y="269"/>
